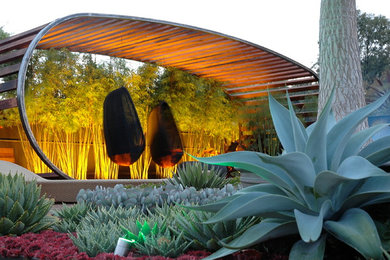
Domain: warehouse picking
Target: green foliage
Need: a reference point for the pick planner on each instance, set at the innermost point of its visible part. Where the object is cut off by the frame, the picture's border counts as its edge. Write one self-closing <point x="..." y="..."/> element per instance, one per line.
<point x="96" y="239"/>
<point x="71" y="216"/>
<point x="317" y="187"/>
<point x="164" y="244"/>
<point x="99" y="230"/>
<point x="199" y="176"/>
<point x="262" y="136"/>
<point x="158" y="237"/>
<point x="22" y="209"/>
<point x="192" y="97"/>
<point x="143" y="231"/>
<point x="376" y="90"/>
<point x="374" y="43"/>
<point x="148" y="198"/>
<point x="3" y="34"/>
<point x="202" y="235"/>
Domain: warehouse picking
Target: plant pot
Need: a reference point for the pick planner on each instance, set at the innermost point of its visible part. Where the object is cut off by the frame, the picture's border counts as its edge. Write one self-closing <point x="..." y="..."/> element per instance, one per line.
<point x="249" y="179"/>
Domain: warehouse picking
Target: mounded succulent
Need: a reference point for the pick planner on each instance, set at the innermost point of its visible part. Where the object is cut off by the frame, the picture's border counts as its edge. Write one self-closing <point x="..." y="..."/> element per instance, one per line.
<point x="150" y="197"/>
<point x="156" y="240"/>
<point x="96" y="239"/>
<point x="71" y="216"/>
<point x="165" y="244"/>
<point x="22" y="209"/>
<point x="199" y="176"/>
<point x="99" y="230"/>
<point x="317" y="188"/>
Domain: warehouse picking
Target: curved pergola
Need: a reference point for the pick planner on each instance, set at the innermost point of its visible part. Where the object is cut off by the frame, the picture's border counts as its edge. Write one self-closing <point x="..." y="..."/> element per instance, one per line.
<point x="248" y="71"/>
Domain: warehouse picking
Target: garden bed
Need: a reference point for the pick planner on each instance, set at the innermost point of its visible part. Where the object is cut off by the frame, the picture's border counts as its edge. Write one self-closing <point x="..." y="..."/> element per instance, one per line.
<point x="49" y="244"/>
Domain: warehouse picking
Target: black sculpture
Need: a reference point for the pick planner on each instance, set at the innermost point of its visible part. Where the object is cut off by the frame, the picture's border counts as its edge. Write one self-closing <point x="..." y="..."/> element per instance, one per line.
<point x="123" y="133"/>
<point x="163" y="137"/>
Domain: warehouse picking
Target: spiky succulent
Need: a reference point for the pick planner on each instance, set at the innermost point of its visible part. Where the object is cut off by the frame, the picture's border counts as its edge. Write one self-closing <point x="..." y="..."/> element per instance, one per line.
<point x="96" y="239"/>
<point x="199" y="176"/>
<point x="165" y="244"/>
<point x="157" y="239"/>
<point x="71" y="216"/>
<point x="317" y="188"/>
<point x="205" y="236"/>
<point x="22" y="208"/>
<point x="100" y="229"/>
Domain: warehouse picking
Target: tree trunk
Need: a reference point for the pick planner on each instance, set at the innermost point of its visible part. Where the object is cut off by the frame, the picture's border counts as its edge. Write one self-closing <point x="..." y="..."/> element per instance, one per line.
<point x="339" y="58"/>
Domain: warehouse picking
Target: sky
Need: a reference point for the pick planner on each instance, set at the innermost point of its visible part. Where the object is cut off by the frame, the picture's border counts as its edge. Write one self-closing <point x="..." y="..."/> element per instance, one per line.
<point x="289" y="27"/>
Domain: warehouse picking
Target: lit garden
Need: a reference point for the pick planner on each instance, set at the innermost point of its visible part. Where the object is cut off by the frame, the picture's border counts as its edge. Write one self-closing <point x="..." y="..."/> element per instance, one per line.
<point x="191" y="151"/>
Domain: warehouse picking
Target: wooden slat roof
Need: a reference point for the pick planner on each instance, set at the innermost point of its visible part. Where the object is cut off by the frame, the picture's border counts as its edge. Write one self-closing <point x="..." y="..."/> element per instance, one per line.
<point x="246" y="69"/>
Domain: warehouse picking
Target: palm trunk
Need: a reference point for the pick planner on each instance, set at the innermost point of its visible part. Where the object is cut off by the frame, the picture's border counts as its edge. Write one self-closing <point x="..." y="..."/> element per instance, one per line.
<point x="339" y="58"/>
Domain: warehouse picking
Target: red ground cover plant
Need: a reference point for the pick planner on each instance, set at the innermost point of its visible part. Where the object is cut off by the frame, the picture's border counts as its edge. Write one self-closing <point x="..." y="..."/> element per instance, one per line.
<point x="51" y="245"/>
<point x="58" y="246"/>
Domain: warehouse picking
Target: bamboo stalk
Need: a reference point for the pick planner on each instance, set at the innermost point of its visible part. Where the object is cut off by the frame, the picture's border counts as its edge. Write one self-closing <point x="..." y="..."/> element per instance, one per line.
<point x="104" y="167"/>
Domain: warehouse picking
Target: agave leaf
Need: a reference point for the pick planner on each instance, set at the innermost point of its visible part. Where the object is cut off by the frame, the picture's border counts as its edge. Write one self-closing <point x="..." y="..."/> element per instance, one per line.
<point x="308" y="251"/>
<point x="379" y="199"/>
<point x="129" y="235"/>
<point x="250" y="161"/>
<point x="45" y="223"/>
<point x="327" y="182"/>
<point x="310" y="226"/>
<point x="255" y="204"/>
<point x="5" y="225"/>
<point x="316" y="143"/>
<point x="17" y="228"/>
<point x="265" y="230"/>
<point x="357" y="140"/>
<point x="220" y="253"/>
<point x="350" y="173"/>
<point x="15" y="212"/>
<point x="298" y="167"/>
<point x="282" y="123"/>
<point x="299" y="132"/>
<point x="261" y="187"/>
<point x="357" y="229"/>
<point x="8" y="203"/>
<point x="356" y="167"/>
<point x="3" y="211"/>
<point x="370" y="190"/>
<point x="214" y="206"/>
<point x="339" y="135"/>
<point x="145" y="228"/>
<point x="377" y="152"/>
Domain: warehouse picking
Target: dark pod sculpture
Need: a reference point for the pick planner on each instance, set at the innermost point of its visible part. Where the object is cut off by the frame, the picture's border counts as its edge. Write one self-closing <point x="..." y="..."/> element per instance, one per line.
<point x="163" y="137"/>
<point x="123" y="133"/>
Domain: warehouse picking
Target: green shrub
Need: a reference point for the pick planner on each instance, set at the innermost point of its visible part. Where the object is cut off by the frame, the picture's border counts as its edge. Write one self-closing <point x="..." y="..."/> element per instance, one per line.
<point x="22" y="209"/>
<point x="317" y="188"/>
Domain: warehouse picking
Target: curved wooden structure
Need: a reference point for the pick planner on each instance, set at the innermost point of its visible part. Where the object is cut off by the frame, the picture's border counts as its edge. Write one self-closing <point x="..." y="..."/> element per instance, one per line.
<point x="247" y="70"/>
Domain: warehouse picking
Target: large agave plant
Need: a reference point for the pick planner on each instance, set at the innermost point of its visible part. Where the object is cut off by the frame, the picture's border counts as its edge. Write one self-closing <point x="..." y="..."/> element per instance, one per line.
<point x="316" y="188"/>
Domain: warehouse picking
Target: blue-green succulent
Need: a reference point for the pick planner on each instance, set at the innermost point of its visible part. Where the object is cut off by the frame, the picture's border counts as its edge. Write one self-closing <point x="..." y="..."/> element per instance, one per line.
<point x="317" y="188"/>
